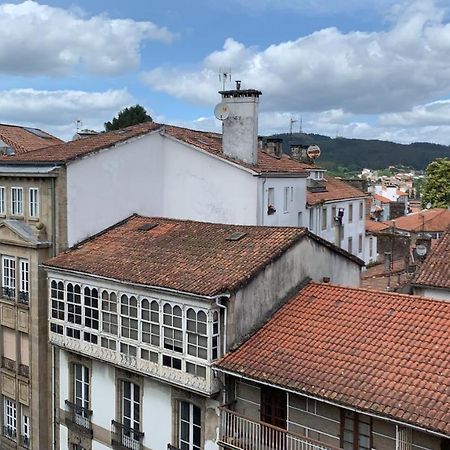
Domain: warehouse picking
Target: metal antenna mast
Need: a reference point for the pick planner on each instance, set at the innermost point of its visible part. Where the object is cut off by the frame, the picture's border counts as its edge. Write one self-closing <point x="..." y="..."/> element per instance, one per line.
<point x="292" y="121"/>
<point x="224" y="77"/>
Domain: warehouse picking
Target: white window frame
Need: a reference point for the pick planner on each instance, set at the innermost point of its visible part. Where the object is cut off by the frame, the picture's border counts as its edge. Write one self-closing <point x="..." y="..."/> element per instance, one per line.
<point x="186" y="416"/>
<point x="91" y="308"/>
<point x="9" y="274"/>
<point x="2" y="200"/>
<point x="16" y="201"/>
<point x="33" y="202"/>
<point x="74" y="304"/>
<point x="110" y="320"/>
<point x="81" y="393"/>
<point x="150" y="322"/>
<point x="24" y="275"/>
<point x="57" y="300"/>
<point x="286" y="199"/>
<point x="10" y="418"/>
<point x="129" y="317"/>
<point x="197" y="334"/>
<point x="130" y="420"/>
<point x="173" y="333"/>
<point x="26" y="429"/>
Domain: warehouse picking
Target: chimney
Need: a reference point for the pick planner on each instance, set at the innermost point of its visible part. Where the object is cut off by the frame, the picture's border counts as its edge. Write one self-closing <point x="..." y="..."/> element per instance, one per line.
<point x="274" y="146"/>
<point x="240" y="128"/>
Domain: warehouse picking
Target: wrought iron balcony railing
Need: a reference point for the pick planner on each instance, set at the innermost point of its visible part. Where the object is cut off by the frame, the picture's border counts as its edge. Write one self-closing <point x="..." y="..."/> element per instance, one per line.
<point x="8" y="364"/>
<point x="79" y="418"/>
<point x="25" y="441"/>
<point x="9" y="292"/>
<point x="9" y="432"/>
<point x="125" y="438"/>
<point x="24" y="297"/>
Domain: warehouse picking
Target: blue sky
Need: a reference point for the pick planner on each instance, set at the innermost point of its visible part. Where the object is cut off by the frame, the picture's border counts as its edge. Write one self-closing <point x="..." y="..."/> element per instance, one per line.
<point x="370" y="69"/>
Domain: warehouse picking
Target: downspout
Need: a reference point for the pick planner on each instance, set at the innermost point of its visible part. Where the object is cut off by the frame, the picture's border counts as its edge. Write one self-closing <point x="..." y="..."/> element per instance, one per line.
<point x="53" y="216"/>
<point x="263" y="184"/>
<point x="225" y="328"/>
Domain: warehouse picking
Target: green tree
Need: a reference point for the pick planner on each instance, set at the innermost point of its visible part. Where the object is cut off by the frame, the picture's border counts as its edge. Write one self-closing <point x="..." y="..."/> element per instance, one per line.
<point x="127" y="117"/>
<point x="436" y="188"/>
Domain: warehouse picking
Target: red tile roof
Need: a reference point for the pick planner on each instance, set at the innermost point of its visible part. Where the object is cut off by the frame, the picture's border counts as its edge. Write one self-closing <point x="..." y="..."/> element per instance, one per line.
<point x="434" y="220"/>
<point x="335" y="190"/>
<point x="188" y="256"/>
<point x="378" y="352"/>
<point x="381" y="198"/>
<point x="372" y="226"/>
<point x="435" y="271"/>
<point x="23" y="139"/>
<point x="207" y="141"/>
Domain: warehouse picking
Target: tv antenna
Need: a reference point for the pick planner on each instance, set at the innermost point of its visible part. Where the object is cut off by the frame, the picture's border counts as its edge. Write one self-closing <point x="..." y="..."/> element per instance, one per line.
<point x="224" y="77"/>
<point x="291" y="122"/>
<point x="301" y="125"/>
<point x="79" y="124"/>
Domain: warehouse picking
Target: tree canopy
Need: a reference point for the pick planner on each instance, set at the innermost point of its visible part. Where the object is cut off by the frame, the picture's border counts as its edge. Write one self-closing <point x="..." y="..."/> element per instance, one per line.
<point x="436" y="188"/>
<point x="127" y="117"/>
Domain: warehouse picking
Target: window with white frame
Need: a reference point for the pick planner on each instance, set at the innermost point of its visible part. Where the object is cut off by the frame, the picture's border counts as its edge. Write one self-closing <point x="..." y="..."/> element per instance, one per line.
<point x="24" y="276"/>
<point x="360" y="243"/>
<point x="130" y="413"/>
<point x="34" y="202"/>
<point x="2" y="200"/>
<point x="9" y="276"/>
<point x="197" y="336"/>
<point x="17" y="201"/>
<point x="361" y="210"/>
<point x="172" y="328"/>
<point x="9" y="418"/>
<point x="129" y="317"/>
<point x="403" y="438"/>
<point x="109" y="312"/>
<point x="333" y="216"/>
<point x="215" y="336"/>
<point x="57" y="300"/>
<point x="324" y="217"/>
<point x="350" y="213"/>
<point x="127" y="349"/>
<point x="271" y="201"/>
<point x="26" y="428"/>
<point x="150" y="322"/>
<point x="189" y="426"/>
<point x="286" y="199"/>
<point x="81" y="393"/>
<point x="91" y="313"/>
<point x="74" y="313"/>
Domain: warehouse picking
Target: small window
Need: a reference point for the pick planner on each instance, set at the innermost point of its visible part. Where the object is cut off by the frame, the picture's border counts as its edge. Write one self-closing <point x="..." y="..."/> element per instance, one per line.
<point x="215" y="336"/>
<point x="26" y="428"/>
<point x="16" y="201"/>
<point x="197" y="338"/>
<point x="324" y="218"/>
<point x="109" y="312"/>
<point x="2" y="200"/>
<point x="54" y="328"/>
<point x="34" y="202"/>
<point x="286" y="200"/>
<point x="271" y="201"/>
<point x="10" y="419"/>
<point x="108" y="343"/>
<point x="292" y="193"/>
<point x="150" y="322"/>
<point x="333" y="216"/>
<point x="91" y="312"/>
<point x="371" y="247"/>
<point x="148" y="355"/>
<point x="57" y="299"/>
<point x="350" y="213"/>
<point x="74" y="303"/>
<point x="24" y="278"/>
<point x="129" y="317"/>
<point x="129" y="350"/>
<point x="73" y="333"/>
<point x="360" y="243"/>
<point x="172" y="328"/>
<point x="90" y="337"/>
<point x="361" y="210"/>
<point x="170" y="361"/>
<point x="9" y="276"/>
<point x="350" y="244"/>
<point x="189" y="426"/>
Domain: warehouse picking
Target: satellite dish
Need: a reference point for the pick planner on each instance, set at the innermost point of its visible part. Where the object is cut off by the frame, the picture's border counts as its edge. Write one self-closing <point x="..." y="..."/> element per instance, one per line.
<point x="222" y="111"/>
<point x="429" y="205"/>
<point x="421" y="250"/>
<point x="313" y="151"/>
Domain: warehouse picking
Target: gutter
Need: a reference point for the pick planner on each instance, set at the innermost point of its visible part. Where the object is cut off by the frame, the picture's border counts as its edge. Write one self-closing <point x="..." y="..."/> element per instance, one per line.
<point x="324" y="400"/>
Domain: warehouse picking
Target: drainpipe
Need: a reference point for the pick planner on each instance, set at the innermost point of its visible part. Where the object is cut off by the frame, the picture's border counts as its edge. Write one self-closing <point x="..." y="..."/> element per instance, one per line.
<point x="53" y="217"/>
<point x="225" y="322"/>
<point x="262" y="201"/>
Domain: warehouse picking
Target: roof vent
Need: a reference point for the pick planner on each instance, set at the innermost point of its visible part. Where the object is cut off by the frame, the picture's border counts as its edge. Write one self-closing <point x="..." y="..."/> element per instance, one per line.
<point x="147" y="226"/>
<point x="236" y="236"/>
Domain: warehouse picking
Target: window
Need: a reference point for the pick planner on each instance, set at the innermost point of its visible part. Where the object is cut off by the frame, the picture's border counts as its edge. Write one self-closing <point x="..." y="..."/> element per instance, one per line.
<point x="9" y="276"/>
<point x="26" y="430"/>
<point x="361" y="210"/>
<point x="2" y="200"/>
<point x="10" y="419"/>
<point x="90" y="337"/>
<point x="57" y="298"/>
<point x="292" y="193"/>
<point x="189" y="427"/>
<point x="350" y="245"/>
<point x="370" y="246"/>
<point x="81" y="394"/>
<point x="109" y="312"/>
<point x="403" y="438"/>
<point x="274" y="406"/>
<point x="172" y="328"/>
<point x="24" y="280"/>
<point x="324" y="218"/>
<point x="197" y="337"/>
<point x="129" y="317"/>
<point x="91" y="308"/>
<point x="108" y="343"/>
<point x="130" y="414"/>
<point x="127" y="349"/>
<point x="16" y="201"/>
<point x="215" y="336"/>
<point x="311" y="219"/>
<point x="350" y="213"/>
<point x="333" y="216"/>
<point x="150" y="322"/>
<point x="74" y="304"/>
<point x="172" y="362"/>
<point x="360" y="243"/>
<point x="34" y="202"/>
<point x="356" y="431"/>
<point x="286" y="200"/>
<point x="271" y="201"/>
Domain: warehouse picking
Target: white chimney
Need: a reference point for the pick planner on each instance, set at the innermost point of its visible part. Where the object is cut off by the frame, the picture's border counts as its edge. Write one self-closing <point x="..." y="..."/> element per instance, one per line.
<point x="240" y="128"/>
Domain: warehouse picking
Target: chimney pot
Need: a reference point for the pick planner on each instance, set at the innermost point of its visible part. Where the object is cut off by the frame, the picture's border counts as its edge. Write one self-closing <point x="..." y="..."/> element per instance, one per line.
<point x="238" y="85"/>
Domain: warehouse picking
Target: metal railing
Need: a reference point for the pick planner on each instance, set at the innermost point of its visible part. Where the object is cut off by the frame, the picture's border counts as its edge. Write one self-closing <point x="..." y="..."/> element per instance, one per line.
<point x="24" y="297"/>
<point x="9" y="293"/>
<point x="124" y="437"/>
<point x="8" y="364"/>
<point x="79" y="418"/>
<point x="25" y="441"/>
<point x="239" y="432"/>
<point x="24" y="370"/>
<point x="9" y="432"/>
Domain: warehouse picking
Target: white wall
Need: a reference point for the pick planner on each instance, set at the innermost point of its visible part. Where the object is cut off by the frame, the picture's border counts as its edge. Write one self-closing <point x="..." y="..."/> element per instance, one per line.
<point x="439" y="294"/>
<point x="103" y="401"/>
<point x="297" y="205"/>
<point x="370" y="240"/>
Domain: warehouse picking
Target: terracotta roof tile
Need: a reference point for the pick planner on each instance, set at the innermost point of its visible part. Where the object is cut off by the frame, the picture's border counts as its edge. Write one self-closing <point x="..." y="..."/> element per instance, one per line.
<point x="24" y="139"/>
<point x="335" y="190"/>
<point x="432" y="220"/>
<point x="435" y="271"/>
<point x="188" y="256"/>
<point x="372" y="226"/>
<point x="378" y="352"/>
<point x="381" y="198"/>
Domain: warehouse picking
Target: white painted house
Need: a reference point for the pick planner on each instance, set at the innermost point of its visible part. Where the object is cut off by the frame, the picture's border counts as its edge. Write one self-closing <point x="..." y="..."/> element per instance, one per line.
<point x="139" y="313"/>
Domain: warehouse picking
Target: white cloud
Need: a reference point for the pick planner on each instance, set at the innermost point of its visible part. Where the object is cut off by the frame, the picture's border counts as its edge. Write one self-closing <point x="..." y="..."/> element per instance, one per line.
<point x="58" y="111"/>
<point x="357" y="72"/>
<point x="37" y="39"/>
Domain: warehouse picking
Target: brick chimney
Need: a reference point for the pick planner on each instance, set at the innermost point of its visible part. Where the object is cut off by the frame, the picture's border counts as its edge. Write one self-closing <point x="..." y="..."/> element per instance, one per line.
<point x="240" y="128"/>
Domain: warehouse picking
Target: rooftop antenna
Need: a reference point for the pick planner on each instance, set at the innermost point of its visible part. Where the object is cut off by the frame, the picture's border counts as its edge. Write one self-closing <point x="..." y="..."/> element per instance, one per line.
<point x="224" y="77"/>
<point x="292" y="121"/>
<point x="301" y="125"/>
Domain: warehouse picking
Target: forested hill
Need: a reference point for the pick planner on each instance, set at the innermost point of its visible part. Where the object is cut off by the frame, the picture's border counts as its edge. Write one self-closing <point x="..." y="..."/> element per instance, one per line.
<point x="356" y="154"/>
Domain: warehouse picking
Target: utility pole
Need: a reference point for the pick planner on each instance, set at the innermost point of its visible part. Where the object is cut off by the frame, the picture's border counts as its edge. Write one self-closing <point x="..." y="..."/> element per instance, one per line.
<point x="292" y="121"/>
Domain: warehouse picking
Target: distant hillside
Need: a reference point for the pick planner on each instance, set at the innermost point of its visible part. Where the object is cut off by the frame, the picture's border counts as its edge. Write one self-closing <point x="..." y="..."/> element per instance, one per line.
<point x="356" y="154"/>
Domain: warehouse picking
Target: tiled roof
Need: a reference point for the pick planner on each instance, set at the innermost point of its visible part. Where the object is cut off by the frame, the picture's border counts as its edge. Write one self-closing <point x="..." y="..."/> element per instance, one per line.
<point x="188" y="256"/>
<point x="377" y="352"/>
<point x="377" y="277"/>
<point x="207" y="141"/>
<point x="436" y="219"/>
<point x="372" y="226"/>
<point x="335" y="190"/>
<point x="435" y="271"/>
<point x="23" y="139"/>
<point x="381" y="198"/>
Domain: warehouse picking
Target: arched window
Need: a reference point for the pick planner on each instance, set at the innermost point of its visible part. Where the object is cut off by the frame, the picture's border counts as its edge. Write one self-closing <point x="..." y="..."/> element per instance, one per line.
<point x="129" y="317"/>
<point x="74" y="303"/>
<point x="150" y="322"/>
<point x="57" y="297"/>
<point x="109" y="312"/>
<point x="215" y="336"/>
<point x="197" y="335"/>
<point x="172" y="328"/>
<point x="91" y="312"/>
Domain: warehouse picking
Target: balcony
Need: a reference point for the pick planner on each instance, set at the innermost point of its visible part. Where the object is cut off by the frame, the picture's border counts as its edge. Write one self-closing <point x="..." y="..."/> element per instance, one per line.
<point x="10" y="432"/>
<point x="24" y="297"/>
<point x="25" y="441"/>
<point x="8" y="364"/>
<point x="9" y="293"/>
<point x="237" y="432"/>
<point x="125" y="438"/>
<point x="79" y="419"/>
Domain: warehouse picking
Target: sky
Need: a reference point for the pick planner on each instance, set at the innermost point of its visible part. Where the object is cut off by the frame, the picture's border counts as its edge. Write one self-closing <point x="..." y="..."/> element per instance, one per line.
<point x="373" y="69"/>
